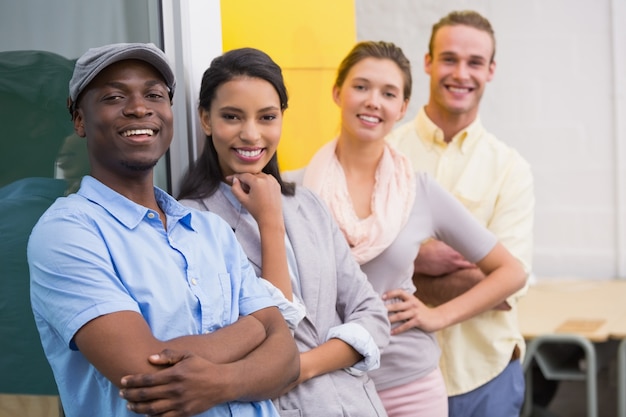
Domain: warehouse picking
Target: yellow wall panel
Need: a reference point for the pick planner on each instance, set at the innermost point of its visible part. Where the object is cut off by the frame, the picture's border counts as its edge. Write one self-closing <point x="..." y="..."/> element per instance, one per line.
<point x="307" y="39"/>
<point x="312" y="118"/>
<point x="296" y="33"/>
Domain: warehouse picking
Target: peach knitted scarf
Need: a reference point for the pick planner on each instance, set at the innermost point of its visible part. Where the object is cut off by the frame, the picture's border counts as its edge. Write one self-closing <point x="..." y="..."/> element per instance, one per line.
<point x="392" y="199"/>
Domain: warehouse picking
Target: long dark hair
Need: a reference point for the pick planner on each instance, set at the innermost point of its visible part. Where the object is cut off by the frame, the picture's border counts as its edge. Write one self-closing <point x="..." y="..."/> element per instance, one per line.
<point x="204" y="176"/>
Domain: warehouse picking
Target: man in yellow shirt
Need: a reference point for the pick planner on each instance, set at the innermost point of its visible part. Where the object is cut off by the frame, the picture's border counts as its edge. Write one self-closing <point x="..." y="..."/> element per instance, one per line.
<point x="480" y="357"/>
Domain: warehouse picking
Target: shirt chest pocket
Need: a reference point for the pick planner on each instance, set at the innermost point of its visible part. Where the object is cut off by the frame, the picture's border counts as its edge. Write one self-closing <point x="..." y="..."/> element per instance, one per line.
<point x="215" y="297"/>
<point x="479" y="201"/>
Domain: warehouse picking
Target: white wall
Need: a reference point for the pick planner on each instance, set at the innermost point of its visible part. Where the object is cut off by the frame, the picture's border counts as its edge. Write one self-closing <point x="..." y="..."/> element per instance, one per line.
<point x="192" y="35"/>
<point x="557" y="97"/>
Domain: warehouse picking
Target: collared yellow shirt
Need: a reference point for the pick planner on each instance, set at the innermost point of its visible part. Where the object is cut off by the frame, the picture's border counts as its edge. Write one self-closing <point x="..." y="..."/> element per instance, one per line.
<point x="495" y="183"/>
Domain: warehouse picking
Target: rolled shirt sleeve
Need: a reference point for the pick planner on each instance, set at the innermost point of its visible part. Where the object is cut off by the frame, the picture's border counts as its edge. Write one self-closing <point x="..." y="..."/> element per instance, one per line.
<point x="360" y="340"/>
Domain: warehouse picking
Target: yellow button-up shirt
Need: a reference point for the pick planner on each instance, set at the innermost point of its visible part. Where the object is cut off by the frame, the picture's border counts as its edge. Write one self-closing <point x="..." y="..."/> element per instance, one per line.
<point x="496" y="184"/>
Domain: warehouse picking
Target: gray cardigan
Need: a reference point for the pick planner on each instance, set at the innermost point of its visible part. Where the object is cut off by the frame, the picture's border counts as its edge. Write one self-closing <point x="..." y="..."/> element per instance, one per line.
<point x="334" y="291"/>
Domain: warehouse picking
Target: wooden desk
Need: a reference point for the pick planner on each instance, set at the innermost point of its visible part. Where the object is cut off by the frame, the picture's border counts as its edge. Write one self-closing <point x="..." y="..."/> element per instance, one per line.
<point x="578" y="312"/>
<point x="593" y="309"/>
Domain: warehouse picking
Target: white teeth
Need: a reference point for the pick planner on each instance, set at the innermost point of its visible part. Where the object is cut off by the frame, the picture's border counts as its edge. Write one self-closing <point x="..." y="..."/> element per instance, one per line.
<point x="249" y="154"/>
<point x="458" y="90"/>
<point x="148" y="132"/>
<point x="370" y="119"/>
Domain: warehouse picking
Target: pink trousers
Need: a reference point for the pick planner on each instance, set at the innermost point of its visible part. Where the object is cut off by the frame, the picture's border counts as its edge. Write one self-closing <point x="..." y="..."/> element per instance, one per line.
<point x="426" y="397"/>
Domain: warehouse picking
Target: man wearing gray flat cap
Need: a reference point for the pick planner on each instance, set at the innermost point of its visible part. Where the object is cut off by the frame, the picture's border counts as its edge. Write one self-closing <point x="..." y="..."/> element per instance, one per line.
<point x="125" y="280"/>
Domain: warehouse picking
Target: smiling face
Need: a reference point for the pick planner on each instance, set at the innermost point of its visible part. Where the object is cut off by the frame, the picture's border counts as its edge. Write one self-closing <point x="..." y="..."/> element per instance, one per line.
<point x="371" y="99"/>
<point x="126" y="115"/>
<point x="245" y="123"/>
<point x="459" y="69"/>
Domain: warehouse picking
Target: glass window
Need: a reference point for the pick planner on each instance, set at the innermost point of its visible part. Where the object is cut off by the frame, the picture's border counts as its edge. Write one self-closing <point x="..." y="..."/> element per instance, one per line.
<point x="39" y="43"/>
<point x="40" y="157"/>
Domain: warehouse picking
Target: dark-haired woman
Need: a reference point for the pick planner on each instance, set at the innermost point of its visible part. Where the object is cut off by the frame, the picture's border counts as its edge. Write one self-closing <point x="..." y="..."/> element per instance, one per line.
<point x="289" y="236"/>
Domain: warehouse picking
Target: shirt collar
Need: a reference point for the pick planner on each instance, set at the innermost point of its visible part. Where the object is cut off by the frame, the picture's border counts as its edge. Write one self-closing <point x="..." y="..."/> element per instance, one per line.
<point x="127" y="212"/>
<point x="432" y="135"/>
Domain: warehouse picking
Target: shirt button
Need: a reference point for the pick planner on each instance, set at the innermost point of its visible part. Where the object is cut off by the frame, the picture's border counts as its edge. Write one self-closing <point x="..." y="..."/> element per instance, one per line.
<point x="194" y="281"/>
<point x="151" y="215"/>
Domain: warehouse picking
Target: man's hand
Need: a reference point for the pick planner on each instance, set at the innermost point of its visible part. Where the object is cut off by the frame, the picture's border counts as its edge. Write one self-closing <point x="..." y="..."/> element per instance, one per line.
<point x="435" y="258"/>
<point x="188" y="385"/>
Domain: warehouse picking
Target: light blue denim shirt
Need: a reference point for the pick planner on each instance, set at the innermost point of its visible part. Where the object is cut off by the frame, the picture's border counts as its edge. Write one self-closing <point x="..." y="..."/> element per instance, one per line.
<point x="96" y="252"/>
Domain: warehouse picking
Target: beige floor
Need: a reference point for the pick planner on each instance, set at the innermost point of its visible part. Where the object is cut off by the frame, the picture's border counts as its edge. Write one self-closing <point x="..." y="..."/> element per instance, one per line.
<point x="28" y="406"/>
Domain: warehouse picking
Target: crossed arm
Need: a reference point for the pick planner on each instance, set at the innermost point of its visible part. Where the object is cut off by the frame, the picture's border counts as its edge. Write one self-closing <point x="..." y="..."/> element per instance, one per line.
<point x="253" y="359"/>
<point x="441" y="274"/>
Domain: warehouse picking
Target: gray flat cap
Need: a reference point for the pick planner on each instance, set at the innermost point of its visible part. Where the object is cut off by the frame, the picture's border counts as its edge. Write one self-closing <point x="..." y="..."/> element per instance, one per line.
<point x="92" y="62"/>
